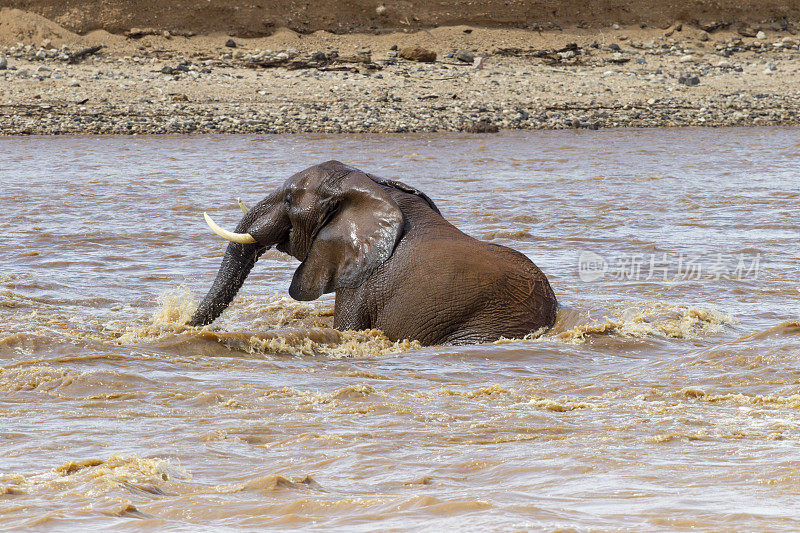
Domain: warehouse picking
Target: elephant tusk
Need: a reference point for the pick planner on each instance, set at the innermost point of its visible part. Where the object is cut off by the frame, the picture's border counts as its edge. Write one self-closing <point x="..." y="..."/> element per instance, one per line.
<point x="243" y="207"/>
<point x="241" y="238"/>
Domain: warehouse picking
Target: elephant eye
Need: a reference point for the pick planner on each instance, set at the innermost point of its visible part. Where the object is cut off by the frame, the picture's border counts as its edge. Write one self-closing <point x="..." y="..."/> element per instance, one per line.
<point x="330" y="208"/>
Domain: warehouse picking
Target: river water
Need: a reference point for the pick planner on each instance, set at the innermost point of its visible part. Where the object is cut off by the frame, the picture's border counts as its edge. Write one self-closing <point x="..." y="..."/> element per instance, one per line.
<point x="667" y="396"/>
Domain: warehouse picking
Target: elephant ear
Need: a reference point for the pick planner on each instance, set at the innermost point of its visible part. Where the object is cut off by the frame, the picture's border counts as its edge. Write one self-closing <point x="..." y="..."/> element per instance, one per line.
<point x="400" y="186"/>
<point x="357" y="233"/>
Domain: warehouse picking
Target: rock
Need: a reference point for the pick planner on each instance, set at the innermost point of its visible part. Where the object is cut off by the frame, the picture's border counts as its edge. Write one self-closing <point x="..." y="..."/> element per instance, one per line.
<point x="465" y="56"/>
<point x="614" y="47"/>
<point x="713" y="26"/>
<point x="482" y="126"/>
<point x="380" y="10"/>
<point x="761" y="36"/>
<point x="689" y="81"/>
<point x="618" y="59"/>
<point x="230" y="43"/>
<point x="418" y="53"/>
<point x="703" y="36"/>
<point x="138" y="33"/>
<point x="166" y="69"/>
<point x="746" y="31"/>
<point x="3" y="62"/>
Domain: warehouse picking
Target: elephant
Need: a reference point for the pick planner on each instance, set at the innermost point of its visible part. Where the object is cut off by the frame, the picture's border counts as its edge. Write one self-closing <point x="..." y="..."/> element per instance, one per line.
<point x="392" y="259"/>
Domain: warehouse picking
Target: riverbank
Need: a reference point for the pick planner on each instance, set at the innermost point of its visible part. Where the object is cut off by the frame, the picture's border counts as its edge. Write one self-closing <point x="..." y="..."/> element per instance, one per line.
<point x="154" y="82"/>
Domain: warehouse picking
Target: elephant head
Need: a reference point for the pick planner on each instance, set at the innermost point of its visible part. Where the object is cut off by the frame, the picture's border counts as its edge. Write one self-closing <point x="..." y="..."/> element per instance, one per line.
<point x="339" y="222"/>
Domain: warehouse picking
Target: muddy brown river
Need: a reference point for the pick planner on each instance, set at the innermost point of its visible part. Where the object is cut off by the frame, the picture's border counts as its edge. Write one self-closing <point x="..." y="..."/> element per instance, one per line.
<point x="666" y="397"/>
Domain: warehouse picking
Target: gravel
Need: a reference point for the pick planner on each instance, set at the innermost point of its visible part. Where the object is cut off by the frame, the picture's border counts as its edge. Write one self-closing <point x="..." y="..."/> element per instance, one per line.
<point x="646" y="83"/>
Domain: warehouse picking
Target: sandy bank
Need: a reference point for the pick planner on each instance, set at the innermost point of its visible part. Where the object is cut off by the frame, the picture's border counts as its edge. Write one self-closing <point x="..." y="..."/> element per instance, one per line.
<point x="325" y="82"/>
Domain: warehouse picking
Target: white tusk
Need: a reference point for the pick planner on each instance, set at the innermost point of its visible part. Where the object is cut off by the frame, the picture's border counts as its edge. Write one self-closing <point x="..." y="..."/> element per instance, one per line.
<point x="243" y="207"/>
<point x="241" y="238"/>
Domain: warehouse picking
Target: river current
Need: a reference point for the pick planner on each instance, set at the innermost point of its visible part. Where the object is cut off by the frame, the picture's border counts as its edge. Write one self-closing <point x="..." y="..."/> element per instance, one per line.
<point x="666" y="397"/>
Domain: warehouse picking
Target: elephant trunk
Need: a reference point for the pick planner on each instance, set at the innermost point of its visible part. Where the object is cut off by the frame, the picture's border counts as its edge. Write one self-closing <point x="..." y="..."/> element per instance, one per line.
<point x="268" y="224"/>
<point x="236" y="265"/>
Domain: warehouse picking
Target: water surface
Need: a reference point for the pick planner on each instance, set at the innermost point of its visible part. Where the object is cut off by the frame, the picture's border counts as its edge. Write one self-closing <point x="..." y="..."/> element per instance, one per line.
<point x="666" y="397"/>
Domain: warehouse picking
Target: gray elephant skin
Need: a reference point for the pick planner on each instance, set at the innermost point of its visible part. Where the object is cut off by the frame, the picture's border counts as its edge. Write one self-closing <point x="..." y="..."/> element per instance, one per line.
<point x="391" y="258"/>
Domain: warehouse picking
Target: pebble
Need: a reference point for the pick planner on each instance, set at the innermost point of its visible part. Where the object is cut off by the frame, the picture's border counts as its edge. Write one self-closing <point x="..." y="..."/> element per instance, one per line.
<point x="410" y="99"/>
<point x="482" y="126"/>
<point x="3" y="62"/>
<point x="761" y="35"/>
<point x="230" y="43"/>
<point x="417" y="53"/>
<point x="465" y="56"/>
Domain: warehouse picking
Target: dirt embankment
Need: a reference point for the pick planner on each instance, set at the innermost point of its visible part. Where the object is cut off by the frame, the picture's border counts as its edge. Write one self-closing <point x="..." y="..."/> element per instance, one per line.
<point x="262" y="17"/>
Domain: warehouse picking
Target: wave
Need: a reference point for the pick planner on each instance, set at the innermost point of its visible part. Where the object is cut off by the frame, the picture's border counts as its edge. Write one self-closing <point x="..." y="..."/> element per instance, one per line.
<point x="791" y="401"/>
<point x="285" y="327"/>
<point x="513" y="396"/>
<point x="100" y="476"/>
<point x="784" y="329"/>
<point x="638" y="320"/>
<point x="280" y="326"/>
<point x="270" y="483"/>
<point x="514" y="235"/>
<point x="108" y="481"/>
